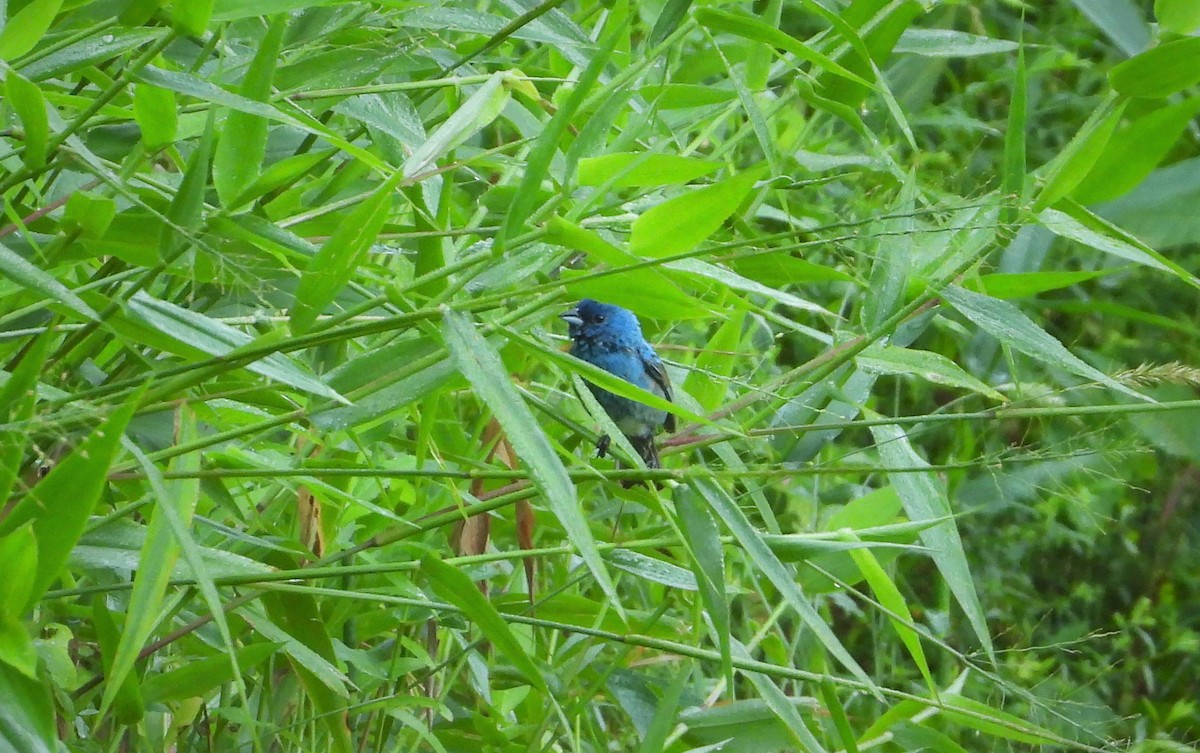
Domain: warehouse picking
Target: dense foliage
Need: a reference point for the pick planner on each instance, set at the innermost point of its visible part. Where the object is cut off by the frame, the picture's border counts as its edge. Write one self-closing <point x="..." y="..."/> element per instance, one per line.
<point x="292" y="456"/>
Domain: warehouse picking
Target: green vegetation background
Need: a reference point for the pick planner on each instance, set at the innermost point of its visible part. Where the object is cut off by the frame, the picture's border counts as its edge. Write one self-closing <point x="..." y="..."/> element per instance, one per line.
<point x="278" y="313"/>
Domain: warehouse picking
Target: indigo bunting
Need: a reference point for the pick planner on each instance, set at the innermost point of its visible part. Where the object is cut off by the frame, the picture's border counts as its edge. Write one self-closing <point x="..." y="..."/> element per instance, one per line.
<point x="610" y="337"/>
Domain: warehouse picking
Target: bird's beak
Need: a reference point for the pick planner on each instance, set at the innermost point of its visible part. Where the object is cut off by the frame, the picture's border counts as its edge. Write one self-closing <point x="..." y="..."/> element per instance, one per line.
<point x="571" y="316"/>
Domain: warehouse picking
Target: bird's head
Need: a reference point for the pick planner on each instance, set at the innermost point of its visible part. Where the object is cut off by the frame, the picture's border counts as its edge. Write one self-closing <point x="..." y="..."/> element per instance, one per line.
<point x="591" y="319"/>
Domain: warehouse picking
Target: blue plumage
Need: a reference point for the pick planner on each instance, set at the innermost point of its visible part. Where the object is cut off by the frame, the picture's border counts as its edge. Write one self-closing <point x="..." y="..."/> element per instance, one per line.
<point x="610" y="337"/>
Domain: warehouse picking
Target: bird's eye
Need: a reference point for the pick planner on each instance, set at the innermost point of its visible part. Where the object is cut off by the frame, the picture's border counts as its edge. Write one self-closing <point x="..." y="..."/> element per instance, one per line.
<point x="599" y="318"/>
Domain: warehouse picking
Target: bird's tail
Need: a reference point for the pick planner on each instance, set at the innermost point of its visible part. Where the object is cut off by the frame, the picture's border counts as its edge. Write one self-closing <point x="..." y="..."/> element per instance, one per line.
<point x="645" y="447"/>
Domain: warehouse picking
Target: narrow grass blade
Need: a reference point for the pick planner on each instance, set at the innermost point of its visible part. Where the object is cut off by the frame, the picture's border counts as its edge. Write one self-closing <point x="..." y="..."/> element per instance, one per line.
<point x="243" y="141"/>
<point x="1005" y="322"/>
<point x="924" y="498"/>
<point x="780" y="575"/>
<point x="707" y="557"/>
<point x="16" y="268"/>
<point x="339" y="257"/>
<point x="482" y="367"/>
<point x="890" y="598"/>
<point x="452" y="585"/>
<point x="59" y="505"/>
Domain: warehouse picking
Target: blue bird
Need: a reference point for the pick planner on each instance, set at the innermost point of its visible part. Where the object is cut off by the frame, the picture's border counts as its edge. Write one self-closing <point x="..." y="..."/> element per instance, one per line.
<point x="610" y="337"/>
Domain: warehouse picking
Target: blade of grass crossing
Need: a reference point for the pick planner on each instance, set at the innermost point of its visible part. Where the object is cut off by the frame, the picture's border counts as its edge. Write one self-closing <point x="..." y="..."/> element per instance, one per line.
<point x="451" y="584"/>
<point x="156" y="561"/>
<point x="243" y="141"/>
<point x="780" y="575"/>
<point x="538" y="162"/>
<point x="890" y="598"/>
<point x="923" y="499"/>
<point x="703" y="541"/>
<point x="482" y="367"/>
<point x="170" y="507"/>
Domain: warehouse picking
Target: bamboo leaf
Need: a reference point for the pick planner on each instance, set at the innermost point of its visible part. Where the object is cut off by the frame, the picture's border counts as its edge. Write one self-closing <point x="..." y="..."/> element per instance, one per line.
<point x="243" y="140"/>
<point x="334" y="265"/>
<point x="483" y="368"/>
<point x="681" y="223"/>
<point x="924" y="499"/>
<point x="1009" y="325"/>
<point x="781" y="576"/>
<point x="20" y="271"/>
<point x="453" y="586"/>
<point x="26" y="27"/>
<point x="59" y="505"/>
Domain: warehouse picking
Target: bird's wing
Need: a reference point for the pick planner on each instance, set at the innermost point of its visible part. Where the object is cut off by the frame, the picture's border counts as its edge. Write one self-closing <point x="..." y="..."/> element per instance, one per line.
<point x="658" y="375"/>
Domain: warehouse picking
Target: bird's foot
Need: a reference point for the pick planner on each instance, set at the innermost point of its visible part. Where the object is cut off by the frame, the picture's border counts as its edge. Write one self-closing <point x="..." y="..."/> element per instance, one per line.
<point x="602" y="445"/>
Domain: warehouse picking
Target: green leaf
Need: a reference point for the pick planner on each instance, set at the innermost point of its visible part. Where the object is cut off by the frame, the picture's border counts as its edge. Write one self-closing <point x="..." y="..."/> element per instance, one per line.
<point x="934" y="367"/>
<point x="918" y="737"/>
<point x="708" y="382"/>
<point x="27" y="714"/>
<point x="59" y="505"/>
<point x="891" y="599"/>
<point x="124" y="692"/>
<point x="1134" y="150"/>
<point x="780" y="575"/>
<point x="1177" y="16"/>
<point x="20" y="271"/>
<point x="293" y="620"/>
<point x="749" y="27"/>
<point x="480" y="109"/>
<point x="948" y="43"/>
<point x="1026" y="284"/>
<point x="155" y="110"/>
<point x="1159" y="71"/>
<point x="778" y="269"/>
<point x="192" y="16"/>
<point x="924" y="499"/>
<point x="18" y="552"/>
<point x="1006" y="323"/>
<point x="781" y="706"/>
<point x="684" y="96"/>
<point x="646" y="291"/>
<point x="221" y="340"/>
<point x="339" y="257"/>
<point x="629" y="169"/>
<point x="707" y="557"/>
<point x="1069" y="220"/>
<point x="17" y="400"/>
<point x="1014" y="165"/>
<point x="681" y="223"/>
<point x="668" y="20"/>
<point x="1122" y="21"/>
<point x="16" y="646"/>
<point x="482" y="367"/>
<point x="654" y="741"/>
<point x="1075" y="161"/>
<point x="90" y="212"/>
<point x="451" y="585"/>
<point x="734" y="281"/>
<point x="186" y="210"/>
<point x="156" y="561"/>
<point x="992" y="721"/>
<point x="538" y="162"/>
<point x="651" y="569"/>
<point x="243" y="141"/>
<point x="30" y="106"/>
<point x="26" y="27"/>
<point x="196" y="679"/>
